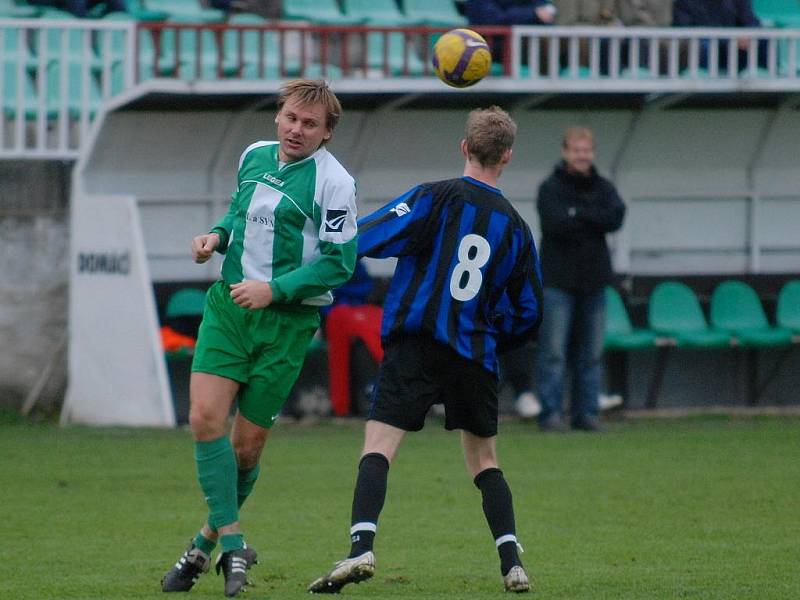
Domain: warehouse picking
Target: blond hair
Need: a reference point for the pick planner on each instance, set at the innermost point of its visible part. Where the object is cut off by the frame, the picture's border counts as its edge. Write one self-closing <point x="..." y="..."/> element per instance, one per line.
<point x="577" y="132"/>
<point x="312" y="91"/>
<point x="489" y="132"/>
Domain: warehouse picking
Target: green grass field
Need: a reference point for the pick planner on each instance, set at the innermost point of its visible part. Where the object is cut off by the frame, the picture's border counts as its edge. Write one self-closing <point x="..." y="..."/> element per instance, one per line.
<point x="686" y="508"/>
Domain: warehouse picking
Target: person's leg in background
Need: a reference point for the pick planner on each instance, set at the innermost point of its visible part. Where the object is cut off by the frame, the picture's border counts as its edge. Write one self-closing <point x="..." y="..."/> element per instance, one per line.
<point x="516" y="373"/>
<point x="551" y="355"/>
<point x="589" y="328"/>
<point x="343" y="324"/>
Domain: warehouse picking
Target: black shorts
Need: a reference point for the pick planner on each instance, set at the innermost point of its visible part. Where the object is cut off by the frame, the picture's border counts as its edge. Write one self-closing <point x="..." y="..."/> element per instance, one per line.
<point x="418" y="372"/>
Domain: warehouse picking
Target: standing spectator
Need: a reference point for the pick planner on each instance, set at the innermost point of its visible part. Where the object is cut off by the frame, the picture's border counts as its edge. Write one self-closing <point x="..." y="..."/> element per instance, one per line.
<point x="577" y="208"/>
<point x="721" y="13"/>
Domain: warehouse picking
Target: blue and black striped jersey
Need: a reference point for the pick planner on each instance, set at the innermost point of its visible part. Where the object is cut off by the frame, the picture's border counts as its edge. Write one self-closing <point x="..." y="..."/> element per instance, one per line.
<point x="467" y="273"/>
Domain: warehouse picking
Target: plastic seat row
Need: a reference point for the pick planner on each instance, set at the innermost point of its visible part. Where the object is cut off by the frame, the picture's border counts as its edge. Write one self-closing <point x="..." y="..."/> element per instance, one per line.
<point x="676" y="318"/>
<point x="778" y="13"/>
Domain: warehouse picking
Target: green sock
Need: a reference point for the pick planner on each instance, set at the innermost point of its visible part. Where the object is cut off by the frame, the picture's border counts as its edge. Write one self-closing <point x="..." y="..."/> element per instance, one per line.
<point x="245" y="482"/>
<point x="244" y="486"/>
<point x="232" y="541"/>
<point x="205" y="544"/>
<point x="216" y="472"/>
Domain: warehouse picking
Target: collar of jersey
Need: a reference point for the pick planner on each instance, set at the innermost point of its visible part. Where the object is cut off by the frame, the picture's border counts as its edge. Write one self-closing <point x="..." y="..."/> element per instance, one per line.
<point x="481" y="184"/>
<point x="317" y="152"/>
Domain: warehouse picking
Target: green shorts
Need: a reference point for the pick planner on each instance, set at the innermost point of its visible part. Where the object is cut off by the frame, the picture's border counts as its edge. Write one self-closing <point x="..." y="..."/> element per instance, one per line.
<point x="262" y="349"/>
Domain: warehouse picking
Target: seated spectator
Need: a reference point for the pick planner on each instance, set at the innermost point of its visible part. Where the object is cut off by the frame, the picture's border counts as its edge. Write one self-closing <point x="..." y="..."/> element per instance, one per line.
<point x="646" y="13"/>
<point x="720" y="13"/>
<point x="353" y="316"/>
<point x="269" y="9"/>
<point x="510" y="12"/>
<point x="586" y="13"/>
<point x="83" y="8"/>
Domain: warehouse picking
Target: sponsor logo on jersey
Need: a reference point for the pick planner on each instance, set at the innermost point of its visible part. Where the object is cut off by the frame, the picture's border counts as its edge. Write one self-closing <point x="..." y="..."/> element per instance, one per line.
<point x="334" y="220"/>
<point x="401" y="209"/>
<point x="267" y="221"/>
<point x="275" y="180"/>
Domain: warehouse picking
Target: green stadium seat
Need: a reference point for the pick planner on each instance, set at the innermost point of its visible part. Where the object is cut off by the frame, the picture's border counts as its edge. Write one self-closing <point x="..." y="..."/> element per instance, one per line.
<point x="252" y="45"/>
<point x="787" y="314"/>
<point x="186" y="302"/>
<point x="323" y="12"/>
<point x="378" y="12"/>
<point x="735" y="307"/>
<point x="636" y="73"/>
<point x="15" y="10"/>
<point x="136" y="10"/>
<point x="582" y="73"/>
<point x="75" y="101"/>
<point x="778" y="13"/>
<point x="250" y="51"/>
<point x="435" y="13"/>
<point x="674" y="311"/>
<point x="209" y="55"/>
<point x="395" y="55"/>
<point x="11" y="89"/>
<point x="55" y="14"/>
<point x="620" y="334"/>
<point x="271" y="44"/>
<point x="164" y="65"/>
<point x="15" y="47"/>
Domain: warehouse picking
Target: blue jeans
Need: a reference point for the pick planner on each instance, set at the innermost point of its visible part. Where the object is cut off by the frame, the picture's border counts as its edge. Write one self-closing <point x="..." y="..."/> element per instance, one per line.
<point x="571" y="335"/>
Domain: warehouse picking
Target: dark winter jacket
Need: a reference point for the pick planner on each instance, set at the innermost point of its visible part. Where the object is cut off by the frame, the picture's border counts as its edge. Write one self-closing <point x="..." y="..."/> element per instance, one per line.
<point x="503" y="12"/>
<point x="714" y="13"/>
<point x="576" y="212"/>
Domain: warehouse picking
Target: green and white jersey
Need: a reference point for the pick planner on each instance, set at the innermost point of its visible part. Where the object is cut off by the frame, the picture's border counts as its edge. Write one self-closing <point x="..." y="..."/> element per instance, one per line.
<point x="291" y="224"/>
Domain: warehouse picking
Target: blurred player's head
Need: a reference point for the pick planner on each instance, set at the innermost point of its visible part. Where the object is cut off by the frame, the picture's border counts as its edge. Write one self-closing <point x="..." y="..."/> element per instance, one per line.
<point x="578" y="149"/>
<point x="488" y="137"/>
<point x="308" y="111"/>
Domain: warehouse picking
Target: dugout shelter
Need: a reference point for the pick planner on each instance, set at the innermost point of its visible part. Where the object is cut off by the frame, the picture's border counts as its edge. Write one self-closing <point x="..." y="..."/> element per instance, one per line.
<point x="706" y="162"/>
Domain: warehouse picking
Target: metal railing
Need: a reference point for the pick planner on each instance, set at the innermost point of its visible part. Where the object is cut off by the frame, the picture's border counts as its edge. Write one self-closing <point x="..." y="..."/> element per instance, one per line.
<point x="54" y="78"/>
<point x="655" y="59"/>
<point x="57" y="75"/>
<point x="279" y="50"/>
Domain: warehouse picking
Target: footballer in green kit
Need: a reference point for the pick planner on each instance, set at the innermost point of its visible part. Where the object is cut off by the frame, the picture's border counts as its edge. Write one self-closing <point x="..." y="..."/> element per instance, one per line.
<point x="288" y="240"/>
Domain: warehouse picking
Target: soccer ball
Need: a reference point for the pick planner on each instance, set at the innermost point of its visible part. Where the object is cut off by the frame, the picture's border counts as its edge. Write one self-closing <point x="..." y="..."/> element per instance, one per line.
<point x="461" y="58"/>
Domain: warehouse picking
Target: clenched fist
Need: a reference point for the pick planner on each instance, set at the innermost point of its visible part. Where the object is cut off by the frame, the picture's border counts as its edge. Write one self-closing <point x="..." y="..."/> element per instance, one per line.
<point x="251" y="294"/>
<point x="203" y="247"/>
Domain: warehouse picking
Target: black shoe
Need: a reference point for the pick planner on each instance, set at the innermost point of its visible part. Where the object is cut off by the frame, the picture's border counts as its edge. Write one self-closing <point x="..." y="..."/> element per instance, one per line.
<point x="234" y="565"/>
<point x="552" y="424"/>
<point x="192" y="563"/>
<point x="587" y="424"/>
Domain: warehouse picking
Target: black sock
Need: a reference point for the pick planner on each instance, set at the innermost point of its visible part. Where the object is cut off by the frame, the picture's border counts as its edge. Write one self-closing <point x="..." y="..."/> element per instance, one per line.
<point x="368" y="498"/>
<point x="499" y="510"/>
